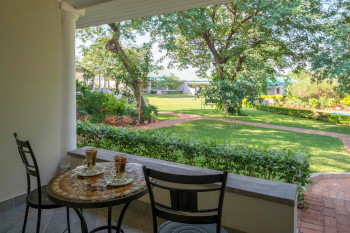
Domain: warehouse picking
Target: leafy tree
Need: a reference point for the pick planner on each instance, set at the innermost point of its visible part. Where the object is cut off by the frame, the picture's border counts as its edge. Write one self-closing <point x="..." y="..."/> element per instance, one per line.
<point x="333" y="61"/>
<point x="87" y="75"/>
<point x="134" y="61"/>
<point x="168" y="81"/>
<point x="305" y="89"/>
<point x="241" y="35"/>
<point x="228" y="95"/>
<point x="93" y="60"/>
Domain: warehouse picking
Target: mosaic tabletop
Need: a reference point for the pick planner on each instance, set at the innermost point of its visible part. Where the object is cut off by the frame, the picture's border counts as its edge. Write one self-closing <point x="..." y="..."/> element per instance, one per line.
<point x="72" y="188"/>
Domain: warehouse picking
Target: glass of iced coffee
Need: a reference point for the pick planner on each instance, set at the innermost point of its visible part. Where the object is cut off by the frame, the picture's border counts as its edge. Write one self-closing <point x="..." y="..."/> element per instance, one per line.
<point x="119" y="165"/>
<point x="90" y="161"/>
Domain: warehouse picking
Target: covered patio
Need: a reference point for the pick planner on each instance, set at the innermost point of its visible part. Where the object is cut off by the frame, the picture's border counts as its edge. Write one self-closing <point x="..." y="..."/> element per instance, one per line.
<point x="37" y="70"/>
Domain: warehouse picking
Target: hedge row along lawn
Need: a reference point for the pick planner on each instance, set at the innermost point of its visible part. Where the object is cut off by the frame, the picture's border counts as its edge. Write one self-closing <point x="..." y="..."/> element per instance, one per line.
<point x="305" y="113"/>
<point x="263" y="162"/>
<point x="327" y="154"/>
<point x="193" y="106"/>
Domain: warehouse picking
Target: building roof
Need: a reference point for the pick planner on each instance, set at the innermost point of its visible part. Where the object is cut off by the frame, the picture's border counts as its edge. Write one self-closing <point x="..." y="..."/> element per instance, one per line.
<point x="99" y="12"/>
<point x="279" y="81"/>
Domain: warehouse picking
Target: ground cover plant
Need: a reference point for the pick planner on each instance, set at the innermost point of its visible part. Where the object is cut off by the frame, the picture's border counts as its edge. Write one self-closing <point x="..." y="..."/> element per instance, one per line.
<point x="327" y="154"/>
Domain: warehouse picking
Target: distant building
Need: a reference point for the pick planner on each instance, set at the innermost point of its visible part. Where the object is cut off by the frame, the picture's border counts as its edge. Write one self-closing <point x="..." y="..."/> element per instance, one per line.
<point x="188" y="83"/>
<point x="277" y="87"/>
<point x="108" y="83"/>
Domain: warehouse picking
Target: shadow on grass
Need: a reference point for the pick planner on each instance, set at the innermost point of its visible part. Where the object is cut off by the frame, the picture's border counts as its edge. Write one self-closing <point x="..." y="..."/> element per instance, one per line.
<point x="327" y="154"/>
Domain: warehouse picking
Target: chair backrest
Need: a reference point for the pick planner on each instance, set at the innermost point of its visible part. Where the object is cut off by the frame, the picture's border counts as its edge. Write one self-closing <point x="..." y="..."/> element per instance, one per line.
<point x="31" y="165"/>
<point x="185" y="200"/>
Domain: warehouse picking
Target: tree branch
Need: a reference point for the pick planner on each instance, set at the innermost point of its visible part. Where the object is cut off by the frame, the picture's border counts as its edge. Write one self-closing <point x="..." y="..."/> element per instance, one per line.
<point x="242" y="59"/>
<point x="210" y="43"/>
<point x="114" y="46"/>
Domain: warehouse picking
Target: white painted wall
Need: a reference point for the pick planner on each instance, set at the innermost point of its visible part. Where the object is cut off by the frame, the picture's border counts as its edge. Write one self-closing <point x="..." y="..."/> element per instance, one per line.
<point x="273" y="91"/>
<point x="30" y="64"/>
<point x="185" y="88"/>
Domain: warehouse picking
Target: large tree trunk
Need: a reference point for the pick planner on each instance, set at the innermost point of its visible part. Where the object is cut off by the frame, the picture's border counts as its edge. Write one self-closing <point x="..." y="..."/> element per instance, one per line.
<point x="136" y="89"/>
<point x="117" y="85"/>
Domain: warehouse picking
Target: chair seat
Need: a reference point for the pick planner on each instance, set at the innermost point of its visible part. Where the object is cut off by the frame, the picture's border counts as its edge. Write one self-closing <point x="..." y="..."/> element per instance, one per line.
<point x="46" y="203"/>
<point x="175" y="227"/>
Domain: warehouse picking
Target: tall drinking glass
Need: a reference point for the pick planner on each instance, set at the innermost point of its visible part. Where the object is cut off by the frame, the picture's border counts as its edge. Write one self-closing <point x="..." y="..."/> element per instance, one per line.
<point x="90" y="161"/>
<point x="119" y="165"/>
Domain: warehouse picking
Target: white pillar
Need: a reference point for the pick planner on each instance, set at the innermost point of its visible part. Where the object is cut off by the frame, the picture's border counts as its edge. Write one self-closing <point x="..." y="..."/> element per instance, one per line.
<point x="68" y="134"/>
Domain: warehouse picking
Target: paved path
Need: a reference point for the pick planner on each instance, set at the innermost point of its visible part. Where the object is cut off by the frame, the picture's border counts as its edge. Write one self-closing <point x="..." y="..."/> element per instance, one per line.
<point x="345" y="138"/>
<point x="329" y="208"/>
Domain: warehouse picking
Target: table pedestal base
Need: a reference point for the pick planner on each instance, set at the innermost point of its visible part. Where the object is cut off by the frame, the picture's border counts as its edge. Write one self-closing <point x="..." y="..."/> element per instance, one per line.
<point x="105" y="228"/>
<point x="109" y="227"/>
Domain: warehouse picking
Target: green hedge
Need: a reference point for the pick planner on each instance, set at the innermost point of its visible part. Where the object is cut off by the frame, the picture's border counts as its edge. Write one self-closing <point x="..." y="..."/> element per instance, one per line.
<point x="262" y="162"/>
<point x="305" y="113"/>
<point x="172" y="92"/>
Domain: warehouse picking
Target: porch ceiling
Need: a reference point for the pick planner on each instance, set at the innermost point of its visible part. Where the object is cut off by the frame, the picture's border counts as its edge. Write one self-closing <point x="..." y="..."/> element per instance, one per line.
<point x="99" y="12"/>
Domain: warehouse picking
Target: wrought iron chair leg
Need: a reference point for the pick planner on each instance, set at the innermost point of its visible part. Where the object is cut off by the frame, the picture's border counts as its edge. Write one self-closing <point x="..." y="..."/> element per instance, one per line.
<point x="68" y="220"/>
<point x="109" y="219"/>
<point x="38" y="222"/>
<point x="25" y="219"/>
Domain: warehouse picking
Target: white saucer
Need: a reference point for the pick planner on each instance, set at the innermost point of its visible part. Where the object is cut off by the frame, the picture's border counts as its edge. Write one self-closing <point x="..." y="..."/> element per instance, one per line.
<point x="120" y="182"/>
<point x="84" y="172"/>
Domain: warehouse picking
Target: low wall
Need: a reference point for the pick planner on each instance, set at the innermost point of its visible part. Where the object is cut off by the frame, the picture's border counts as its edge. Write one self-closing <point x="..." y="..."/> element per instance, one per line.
<point x="251" y="205"/>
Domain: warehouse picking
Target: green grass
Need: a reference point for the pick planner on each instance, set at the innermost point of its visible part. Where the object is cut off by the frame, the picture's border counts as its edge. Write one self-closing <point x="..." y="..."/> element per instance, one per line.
<point x="163" y="117"/>
<point x="169" y="96"/>
<point x="327" y="154"/>
<point x="193" y="106"/>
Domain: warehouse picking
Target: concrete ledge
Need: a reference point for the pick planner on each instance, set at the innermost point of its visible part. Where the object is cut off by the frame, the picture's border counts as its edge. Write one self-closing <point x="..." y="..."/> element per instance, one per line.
<point x="251" y="205"/>
<point x="278" y="192"/>
<point x="318" y="176"/>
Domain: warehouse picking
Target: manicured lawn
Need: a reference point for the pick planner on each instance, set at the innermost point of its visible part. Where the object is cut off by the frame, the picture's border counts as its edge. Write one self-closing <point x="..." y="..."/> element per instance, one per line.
<point x="327" y="154"/>
<point x="169" y="96"/>
<point x="193" y="106"/>
<point x="163" y="117"/>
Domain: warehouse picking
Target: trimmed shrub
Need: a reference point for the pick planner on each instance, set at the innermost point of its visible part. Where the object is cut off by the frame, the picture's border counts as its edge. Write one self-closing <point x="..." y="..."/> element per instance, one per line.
<point x="261" y="162"/>
<point x="91" y="101"/>
<point x="305" y="113"/>
<point x="345" y="101"/>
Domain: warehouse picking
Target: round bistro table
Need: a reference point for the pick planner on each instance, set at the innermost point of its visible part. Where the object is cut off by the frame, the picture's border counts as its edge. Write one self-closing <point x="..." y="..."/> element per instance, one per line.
<point x="74" y="191"/>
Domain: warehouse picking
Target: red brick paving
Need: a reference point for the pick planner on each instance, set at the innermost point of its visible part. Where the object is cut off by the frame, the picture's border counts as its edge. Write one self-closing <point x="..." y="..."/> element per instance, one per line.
<point x="329" y="209"/>
<point x="345" y="138"/>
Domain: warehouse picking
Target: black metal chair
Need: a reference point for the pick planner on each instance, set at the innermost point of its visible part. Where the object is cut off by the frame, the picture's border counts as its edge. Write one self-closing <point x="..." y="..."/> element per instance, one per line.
<point x="37" y="198"/>
<point x="183" y="212"/>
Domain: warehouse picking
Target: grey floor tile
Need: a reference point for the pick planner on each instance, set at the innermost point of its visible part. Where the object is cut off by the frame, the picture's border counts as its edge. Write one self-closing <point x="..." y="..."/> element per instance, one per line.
<point x="54" y="221"/>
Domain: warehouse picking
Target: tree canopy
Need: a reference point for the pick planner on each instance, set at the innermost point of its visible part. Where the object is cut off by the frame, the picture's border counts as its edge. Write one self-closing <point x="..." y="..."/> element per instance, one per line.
<point x="168" y="81"/>
<point x="243" y="35"/>
<point x="130" y="62"/>
<point x="333" y="61"/>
